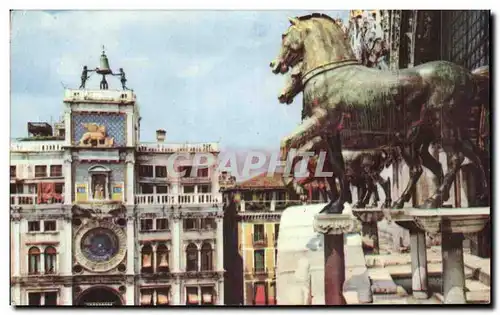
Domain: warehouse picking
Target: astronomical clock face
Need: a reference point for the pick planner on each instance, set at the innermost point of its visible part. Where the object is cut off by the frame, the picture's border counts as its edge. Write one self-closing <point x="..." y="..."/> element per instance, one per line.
<point x="100" y="246"/>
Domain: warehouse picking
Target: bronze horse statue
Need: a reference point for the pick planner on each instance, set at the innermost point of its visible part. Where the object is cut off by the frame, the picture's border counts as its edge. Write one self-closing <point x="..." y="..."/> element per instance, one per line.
<point x="427" y="104"/>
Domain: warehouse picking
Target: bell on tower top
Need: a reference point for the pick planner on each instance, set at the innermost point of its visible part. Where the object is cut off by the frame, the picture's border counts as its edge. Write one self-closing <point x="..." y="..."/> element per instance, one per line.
<point x="104" y="64"/>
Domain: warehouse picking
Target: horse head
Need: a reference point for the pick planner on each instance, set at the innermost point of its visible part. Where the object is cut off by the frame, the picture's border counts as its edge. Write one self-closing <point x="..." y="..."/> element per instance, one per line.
<point x="292" y="46"/>
<point x="317" y="33"/>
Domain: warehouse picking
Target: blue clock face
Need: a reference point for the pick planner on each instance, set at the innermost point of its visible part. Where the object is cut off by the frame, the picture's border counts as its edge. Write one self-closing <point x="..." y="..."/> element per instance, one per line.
<point x="99" y="244"/>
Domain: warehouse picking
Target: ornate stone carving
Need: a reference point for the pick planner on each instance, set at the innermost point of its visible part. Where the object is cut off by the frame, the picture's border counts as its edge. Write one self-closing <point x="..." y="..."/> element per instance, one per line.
<point x="336" y="224"/>
<point x="130" y="158"/>
<point x="368" y="215"/>
<point x="96" y="133"/>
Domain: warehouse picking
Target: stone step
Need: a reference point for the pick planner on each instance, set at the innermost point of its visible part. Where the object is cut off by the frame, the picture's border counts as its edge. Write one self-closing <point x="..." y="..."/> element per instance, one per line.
<point x="481" y="266"/>
<point x="433" y="269"/>
<point x="478" y="297"/>
<point x="381" y="281"/>
<point x="433" y="256"/>
<point x="389" y="299"/>
<point x="476" y="286"/>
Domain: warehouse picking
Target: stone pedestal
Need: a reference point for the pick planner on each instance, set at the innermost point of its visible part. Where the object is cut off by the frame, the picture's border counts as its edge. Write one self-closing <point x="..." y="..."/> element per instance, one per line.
<point x="452" y="223"/>
<point x="334" y="226"/>
<point x="418" y="252"/>
<point x="369" y="230"/>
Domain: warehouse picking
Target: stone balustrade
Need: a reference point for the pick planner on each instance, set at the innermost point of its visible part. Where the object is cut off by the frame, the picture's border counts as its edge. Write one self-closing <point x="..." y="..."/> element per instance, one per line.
<point x="179" y="199"/>
<point x="156" y="147"/>
<point x="37" y="146"/>
<point x="30" y="199"/>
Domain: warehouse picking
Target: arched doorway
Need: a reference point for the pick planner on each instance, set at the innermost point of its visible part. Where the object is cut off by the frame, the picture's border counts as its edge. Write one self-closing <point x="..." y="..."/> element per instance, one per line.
<point x="99" y="296"/>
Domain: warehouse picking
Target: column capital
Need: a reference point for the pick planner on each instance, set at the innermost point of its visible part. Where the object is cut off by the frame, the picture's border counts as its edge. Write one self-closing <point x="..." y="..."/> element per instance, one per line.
<point x="336" y="224"/>
<point x="176" y="216"/>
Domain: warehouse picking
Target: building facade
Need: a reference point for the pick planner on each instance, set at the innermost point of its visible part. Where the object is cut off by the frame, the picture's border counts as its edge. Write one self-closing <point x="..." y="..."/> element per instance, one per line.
<point x="252" y="215"/>
<point x="97" y="217"/>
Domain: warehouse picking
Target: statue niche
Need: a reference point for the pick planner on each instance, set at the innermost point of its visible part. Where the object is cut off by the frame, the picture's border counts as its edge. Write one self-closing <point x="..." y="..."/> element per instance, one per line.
<point x="96" y="136"/>
<point x="99" y="183"/>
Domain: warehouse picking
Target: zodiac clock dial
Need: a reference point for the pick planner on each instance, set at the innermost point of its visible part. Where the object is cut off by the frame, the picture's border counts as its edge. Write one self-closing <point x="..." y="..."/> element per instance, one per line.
<point x="99" y="244"/>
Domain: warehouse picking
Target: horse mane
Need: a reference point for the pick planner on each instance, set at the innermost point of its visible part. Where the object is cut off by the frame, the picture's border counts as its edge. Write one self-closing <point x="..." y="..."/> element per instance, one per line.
<point x="315" y="15"/>
<point x="320" y="16"/>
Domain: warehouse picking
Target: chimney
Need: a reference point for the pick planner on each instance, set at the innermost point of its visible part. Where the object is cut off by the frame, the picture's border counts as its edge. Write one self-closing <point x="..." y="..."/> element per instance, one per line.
<point x="160" y="135"/>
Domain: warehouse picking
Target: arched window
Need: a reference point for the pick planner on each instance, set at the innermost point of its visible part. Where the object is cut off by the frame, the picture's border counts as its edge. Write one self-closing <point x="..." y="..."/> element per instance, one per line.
<point x="34" y="260"/>
<point x="50" y="259"/>
<point x="206" y="257"/>
<point x="147" y="258"/>
<point x="191" y="257"/>
<point x="162" y="258"/>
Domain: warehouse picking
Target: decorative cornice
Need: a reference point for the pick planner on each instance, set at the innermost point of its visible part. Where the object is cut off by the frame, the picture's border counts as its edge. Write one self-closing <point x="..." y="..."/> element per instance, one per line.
<point x="336" y="224"/>
<point x="257" y="217"/>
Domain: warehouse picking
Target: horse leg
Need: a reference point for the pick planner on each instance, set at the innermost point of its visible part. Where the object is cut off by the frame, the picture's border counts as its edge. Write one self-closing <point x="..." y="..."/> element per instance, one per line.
<point x="369" y="192"/>
<point x="362" y="191"/>
<point x="376" y="197"/>
<point x="334" y="153"/>
<point x="386" y="186"/>
<point x="409" y="154"/>
<point x="429" y="162"/>
<point x="456" y="160"/>
<point x="471" y="151"/>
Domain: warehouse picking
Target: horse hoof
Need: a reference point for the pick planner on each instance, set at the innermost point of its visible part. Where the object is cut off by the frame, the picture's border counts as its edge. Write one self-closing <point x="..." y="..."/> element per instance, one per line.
<point x="431" y="203"/>
<point x="358" y="206"/>
<point x="386" y="205"/>
<point x="374" y="205"/>
<point x="335" y="208"/>
<point x="398" y="205"/>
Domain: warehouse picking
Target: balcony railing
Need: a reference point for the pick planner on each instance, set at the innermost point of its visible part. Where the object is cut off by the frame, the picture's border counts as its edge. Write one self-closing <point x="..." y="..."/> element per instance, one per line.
<point x="36" y="146"/>
<point x="259" y="239"/>
<point x="31" y="199"/>
<point x="271" y="205"/>
<point x="196" y="199"/>
<point x="178" y="147"/>
<point x="180" y="199"/>
<point x="260" y="271"/>
<point x="155" y="199"/>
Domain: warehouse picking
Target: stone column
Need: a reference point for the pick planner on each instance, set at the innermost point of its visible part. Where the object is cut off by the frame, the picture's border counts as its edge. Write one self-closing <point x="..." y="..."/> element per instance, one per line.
<point x="130" y="246"/>
<point x="67" y="126"/>
<point x="130" y="179"/>
<point x="333" y="226"/>
<point x="369" y="229"/>
<point x="16" y="295"/>
<point x="453" y="268"/>
<point x="67" y="295"/>
<point x="452" y="223"/>
<point x="219" y="243"/>
<point x="67" y="256"/>
<point x="130" y="130"/>
<point x="418" y="254"/>
<point x="214" y="176"/>
<point x="130" y="294"/>
<point x="68" y="178"/>
<point x="176" y="292"/>
<point x="176" y="243"/>
<point x="16" y="231"/>
<point x="220" y="292"/>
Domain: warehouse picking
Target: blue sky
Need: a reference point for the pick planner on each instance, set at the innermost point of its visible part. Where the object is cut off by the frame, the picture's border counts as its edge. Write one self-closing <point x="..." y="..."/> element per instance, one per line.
<point x="200" y="75"/>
